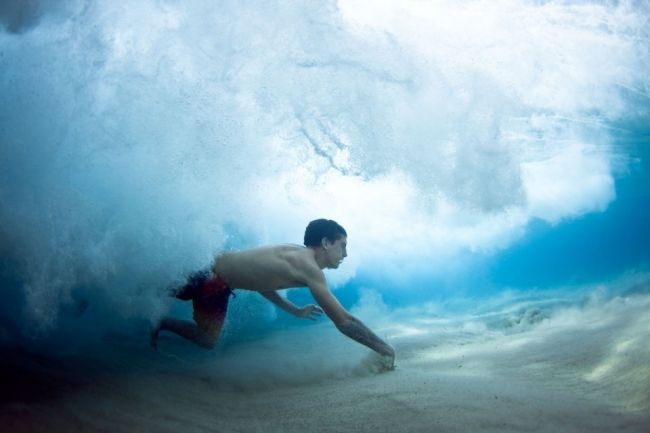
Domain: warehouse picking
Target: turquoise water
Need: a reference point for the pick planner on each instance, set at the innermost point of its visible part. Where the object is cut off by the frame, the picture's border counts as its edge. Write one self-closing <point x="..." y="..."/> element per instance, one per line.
<point x="480" y="155"/>
<point x="131" y="153"/>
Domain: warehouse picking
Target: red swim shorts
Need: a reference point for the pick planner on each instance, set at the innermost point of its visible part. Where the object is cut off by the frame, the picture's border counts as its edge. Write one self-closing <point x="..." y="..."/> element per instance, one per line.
<point x="209" y="294"/>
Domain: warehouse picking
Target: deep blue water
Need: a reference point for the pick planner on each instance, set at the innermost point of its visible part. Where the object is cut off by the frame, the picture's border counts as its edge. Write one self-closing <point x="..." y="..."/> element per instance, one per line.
<point x="490" y="162"/>
<point x="593" y="247"/>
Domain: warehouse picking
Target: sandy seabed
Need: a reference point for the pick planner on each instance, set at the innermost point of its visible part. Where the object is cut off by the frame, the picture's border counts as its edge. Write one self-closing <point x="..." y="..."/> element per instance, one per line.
<point x="518" y="366"/>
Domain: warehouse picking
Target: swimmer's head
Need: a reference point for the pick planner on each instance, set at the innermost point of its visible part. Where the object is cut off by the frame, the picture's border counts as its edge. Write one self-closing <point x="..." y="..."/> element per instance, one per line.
<point x="320" y="229"/>
<point x="329" y="240"/>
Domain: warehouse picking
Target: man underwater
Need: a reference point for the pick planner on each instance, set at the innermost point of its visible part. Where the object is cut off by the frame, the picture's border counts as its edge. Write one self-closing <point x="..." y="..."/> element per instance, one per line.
<point x="266" y="270"/>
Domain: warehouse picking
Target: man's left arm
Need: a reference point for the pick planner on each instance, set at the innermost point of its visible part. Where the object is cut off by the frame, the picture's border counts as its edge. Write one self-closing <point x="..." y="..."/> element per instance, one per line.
<point x="308" y="311"/>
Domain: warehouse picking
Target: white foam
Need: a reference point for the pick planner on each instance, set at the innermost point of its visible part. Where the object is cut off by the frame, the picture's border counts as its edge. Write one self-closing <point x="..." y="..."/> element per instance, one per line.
<point x="136" y="145"/>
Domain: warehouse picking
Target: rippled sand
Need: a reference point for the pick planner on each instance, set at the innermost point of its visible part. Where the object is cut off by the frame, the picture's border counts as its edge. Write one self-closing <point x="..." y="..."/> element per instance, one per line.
<point x="509" y="366"/>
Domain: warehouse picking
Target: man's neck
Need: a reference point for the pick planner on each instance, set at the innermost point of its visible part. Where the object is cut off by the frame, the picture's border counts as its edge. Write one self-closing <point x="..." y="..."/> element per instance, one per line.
<point x="318" y="258"/>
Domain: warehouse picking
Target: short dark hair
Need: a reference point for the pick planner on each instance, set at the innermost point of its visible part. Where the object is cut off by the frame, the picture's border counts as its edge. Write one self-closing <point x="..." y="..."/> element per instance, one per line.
<point x="322" y="228"/>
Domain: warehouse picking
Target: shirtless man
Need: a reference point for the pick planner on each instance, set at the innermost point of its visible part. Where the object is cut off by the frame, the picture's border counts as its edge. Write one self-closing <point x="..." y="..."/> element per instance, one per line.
<point x="267" y="270"/>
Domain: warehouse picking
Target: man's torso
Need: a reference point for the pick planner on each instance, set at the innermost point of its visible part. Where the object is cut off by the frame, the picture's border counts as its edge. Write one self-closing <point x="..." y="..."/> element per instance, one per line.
<point x="266" y="268"/>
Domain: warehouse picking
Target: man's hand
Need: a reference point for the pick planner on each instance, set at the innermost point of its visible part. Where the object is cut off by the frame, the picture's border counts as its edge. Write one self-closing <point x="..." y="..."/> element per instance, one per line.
<point x="388" y="361"/>
<point x="386" y="358"/>
<point x="311" y="312"/>
<point x="376" y="363"/>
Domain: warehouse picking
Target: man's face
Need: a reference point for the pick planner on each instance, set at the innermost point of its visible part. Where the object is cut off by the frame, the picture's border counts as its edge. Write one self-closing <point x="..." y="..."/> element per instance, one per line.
<point x="336" y="251"/>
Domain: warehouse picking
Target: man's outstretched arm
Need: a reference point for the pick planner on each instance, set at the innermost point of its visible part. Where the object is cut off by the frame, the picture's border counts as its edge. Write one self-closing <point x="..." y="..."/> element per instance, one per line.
<point x="349" y="325"/>
<point x="356" y="330"/>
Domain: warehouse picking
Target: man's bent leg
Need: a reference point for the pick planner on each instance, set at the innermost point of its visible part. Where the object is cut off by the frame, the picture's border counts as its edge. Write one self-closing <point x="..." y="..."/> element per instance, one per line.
<point x="210" y="303"/>
<point x="206" y="338"/>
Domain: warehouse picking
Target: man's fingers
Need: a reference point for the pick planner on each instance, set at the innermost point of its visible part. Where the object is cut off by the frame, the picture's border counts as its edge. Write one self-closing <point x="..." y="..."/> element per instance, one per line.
<point x="313" y="312"/>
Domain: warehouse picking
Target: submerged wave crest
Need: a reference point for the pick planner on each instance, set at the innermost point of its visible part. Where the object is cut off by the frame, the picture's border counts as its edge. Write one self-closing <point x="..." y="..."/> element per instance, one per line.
<point x="139" y="140"/>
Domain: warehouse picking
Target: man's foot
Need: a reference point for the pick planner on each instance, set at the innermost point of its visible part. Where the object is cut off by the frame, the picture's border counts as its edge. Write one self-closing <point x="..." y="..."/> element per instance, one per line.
<point x="153" y="336"/>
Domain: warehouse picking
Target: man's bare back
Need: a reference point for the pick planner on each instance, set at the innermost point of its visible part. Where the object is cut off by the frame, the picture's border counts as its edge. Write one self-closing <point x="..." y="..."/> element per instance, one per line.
<point x="267" y="270"/>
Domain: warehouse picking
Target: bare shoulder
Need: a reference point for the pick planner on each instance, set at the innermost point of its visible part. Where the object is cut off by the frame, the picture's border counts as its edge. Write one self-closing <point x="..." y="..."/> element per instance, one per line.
<point x="304" y="264"/>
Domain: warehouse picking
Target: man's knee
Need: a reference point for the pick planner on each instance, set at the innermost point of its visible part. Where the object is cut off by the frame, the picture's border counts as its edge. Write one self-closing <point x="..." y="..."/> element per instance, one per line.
<point x="208" y="340"/>
<point x="209" y="328"/>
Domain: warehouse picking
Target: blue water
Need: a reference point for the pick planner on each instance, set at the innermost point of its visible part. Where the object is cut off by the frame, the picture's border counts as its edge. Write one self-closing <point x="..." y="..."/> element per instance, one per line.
<point x="490" y="162"/>
<point x="470" y="151"/>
